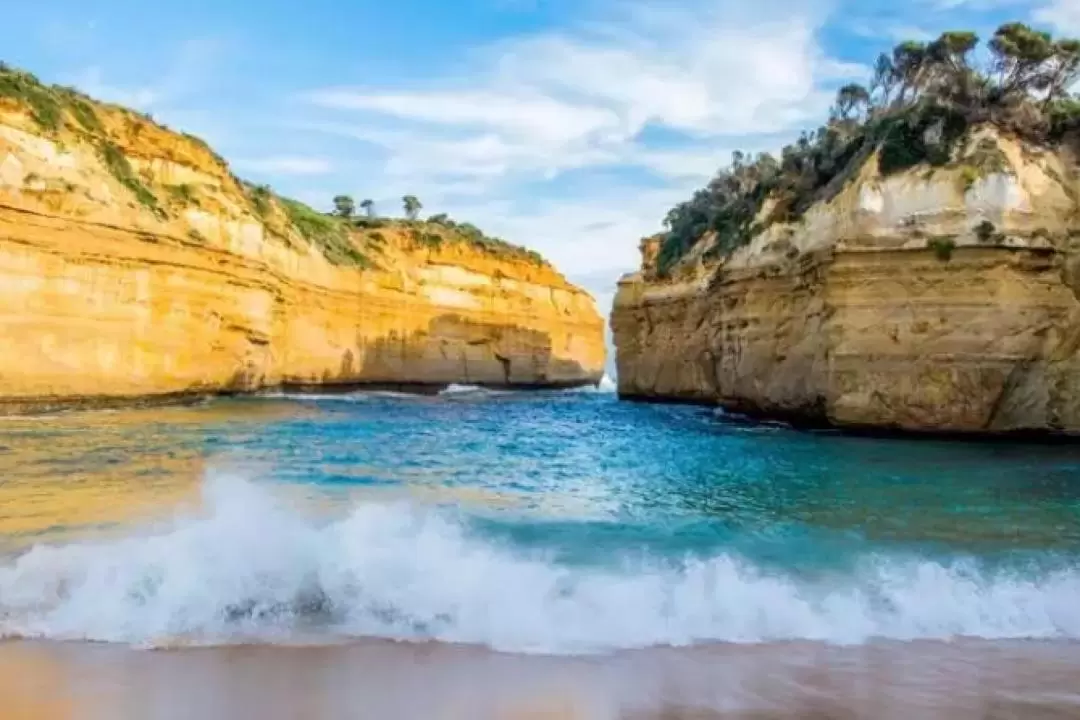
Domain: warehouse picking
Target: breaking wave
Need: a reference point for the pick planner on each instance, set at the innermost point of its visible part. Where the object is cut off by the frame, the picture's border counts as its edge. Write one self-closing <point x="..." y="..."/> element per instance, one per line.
<point x="456" y="390"/>
<point x="351" y="397"/>
<point x="248" y="567"/>
<point x="606" y="385"/>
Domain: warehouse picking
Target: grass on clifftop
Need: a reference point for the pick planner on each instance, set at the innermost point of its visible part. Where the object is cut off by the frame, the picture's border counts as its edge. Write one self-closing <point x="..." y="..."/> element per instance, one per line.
<point x="53" y="107"/>
<point x="329" y="234"/>
<point x="443" y="227"/>
<point x="436" y="231"/>
<point x="440" y="231"/>
<point x="919" y="108"/>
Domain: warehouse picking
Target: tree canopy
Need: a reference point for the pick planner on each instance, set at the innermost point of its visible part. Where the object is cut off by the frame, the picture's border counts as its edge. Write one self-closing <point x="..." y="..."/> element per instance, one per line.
<point x="344" y="206"/>
<point x="920" y="104"/>
<point x="412" y="206"/>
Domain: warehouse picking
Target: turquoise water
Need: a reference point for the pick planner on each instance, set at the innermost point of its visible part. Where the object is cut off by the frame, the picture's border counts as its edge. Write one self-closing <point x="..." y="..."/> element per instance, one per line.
<point x="557" y="522"/>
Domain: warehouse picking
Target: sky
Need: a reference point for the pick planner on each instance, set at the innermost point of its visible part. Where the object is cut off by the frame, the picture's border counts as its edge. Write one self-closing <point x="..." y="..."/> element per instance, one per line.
<point x="569" y="126"/>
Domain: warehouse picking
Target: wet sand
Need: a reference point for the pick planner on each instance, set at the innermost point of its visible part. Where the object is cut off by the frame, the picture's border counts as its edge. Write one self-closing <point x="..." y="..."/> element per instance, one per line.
<point x="965" y="680"/>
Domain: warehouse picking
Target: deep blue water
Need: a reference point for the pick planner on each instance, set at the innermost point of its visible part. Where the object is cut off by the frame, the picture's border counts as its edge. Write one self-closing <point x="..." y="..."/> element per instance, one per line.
<point x="556" y="521"/>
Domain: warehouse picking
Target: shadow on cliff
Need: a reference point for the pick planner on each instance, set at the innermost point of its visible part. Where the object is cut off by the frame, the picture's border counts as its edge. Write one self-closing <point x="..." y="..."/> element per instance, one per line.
<point x="453" y="350"/>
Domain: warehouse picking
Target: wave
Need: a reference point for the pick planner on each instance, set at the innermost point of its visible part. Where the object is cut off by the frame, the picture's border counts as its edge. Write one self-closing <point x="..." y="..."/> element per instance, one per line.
<point x="247" y="567"/>
<point x="604" y="387"/>
<point x="607" y="384"/>
<point x="312" y="397"/>
<point x="458" y="390"/>
<point x="353" y="396"/>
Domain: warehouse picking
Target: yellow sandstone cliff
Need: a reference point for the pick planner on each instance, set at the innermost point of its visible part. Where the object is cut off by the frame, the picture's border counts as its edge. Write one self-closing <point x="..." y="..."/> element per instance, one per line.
<point x="134" y="265"/>
<point x="931" y="300"/>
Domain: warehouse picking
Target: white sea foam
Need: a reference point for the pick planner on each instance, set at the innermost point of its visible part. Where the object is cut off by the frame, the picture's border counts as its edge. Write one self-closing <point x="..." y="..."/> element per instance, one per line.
<point x="313" y="397"/>
<point x="396" y="394"/>
<point x="251" y="567"/>
<point x="455" y="389"/>
<point x="605" y="386"/>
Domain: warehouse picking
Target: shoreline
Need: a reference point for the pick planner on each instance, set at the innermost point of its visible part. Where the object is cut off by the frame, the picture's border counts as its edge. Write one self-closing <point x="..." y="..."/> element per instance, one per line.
<point x="959" y="680"/>
<point x="812" y="423"/>
<point x="17" y="407"/>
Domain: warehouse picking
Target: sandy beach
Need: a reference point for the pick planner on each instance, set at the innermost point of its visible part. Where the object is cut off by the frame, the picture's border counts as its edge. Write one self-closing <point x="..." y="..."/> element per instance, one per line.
<point x="969" y="680"/>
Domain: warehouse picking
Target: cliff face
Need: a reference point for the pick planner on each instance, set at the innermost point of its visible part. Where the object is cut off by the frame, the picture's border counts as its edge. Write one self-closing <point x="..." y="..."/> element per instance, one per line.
<point x="133" y="264"/>
<point x="941" y="300"/>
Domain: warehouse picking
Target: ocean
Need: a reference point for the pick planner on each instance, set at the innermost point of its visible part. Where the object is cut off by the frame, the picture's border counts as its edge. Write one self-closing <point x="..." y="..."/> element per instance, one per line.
<point x="487" y="554"/>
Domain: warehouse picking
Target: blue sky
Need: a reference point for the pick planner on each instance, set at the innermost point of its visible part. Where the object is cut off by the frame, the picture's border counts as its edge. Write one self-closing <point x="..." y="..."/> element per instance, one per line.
<point x="570" y="126"/>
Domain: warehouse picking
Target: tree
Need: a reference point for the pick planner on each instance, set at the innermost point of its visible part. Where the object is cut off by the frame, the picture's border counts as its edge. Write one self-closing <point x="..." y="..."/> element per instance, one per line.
<point x="344" y="206"/>
<point x="1020" y="55"/>
<point x="947" y="65"/>
<point x="851" y="98"/>
<point x="412" y="206"/>
<point x="908" y="61"/>
<point x="884" y="80"/>
<point x="440" y="219"/>
<point x="1065" y="70"/>
<point x="952" y="50"/>
<point x="369" y="207"/>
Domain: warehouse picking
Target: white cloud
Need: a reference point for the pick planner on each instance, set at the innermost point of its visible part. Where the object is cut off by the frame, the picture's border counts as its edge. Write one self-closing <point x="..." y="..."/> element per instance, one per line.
<point x="547" y="103"/>
<point x="1062" y="15"/>
<point x="704" y="75"/>
<point x="596" y="235"/>
<point x="653" y="98"/>
<point x="287" y="165"/>
<point x="522" y="114"/>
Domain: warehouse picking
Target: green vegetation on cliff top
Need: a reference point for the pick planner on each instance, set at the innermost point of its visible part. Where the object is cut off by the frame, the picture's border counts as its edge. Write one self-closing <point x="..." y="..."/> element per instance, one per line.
<point x="433" y="232"/>
<point x="920" y="106"/>
<point x="336" y="235"/>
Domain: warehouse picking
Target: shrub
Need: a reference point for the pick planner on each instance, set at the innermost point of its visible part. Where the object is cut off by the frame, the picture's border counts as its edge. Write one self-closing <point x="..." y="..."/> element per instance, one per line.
<point x="1064" y="117"/>
<point x="117" y="164"/>
<point x="433" y="240"/>
<point x="327" y="233"/>
<point x="925" y="133"/>
<point x="182" y="193"/>
<point x="943" y="247"/>
<point x="85" y="114"/>
<point x="260" y="195"/>
<point x="969" y="175"/>
<point x="23" y="87"/>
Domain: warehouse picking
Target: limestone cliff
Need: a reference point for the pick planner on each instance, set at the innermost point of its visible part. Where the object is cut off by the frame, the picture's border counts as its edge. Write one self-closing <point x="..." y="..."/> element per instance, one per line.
<point x="938" y="299"/>
<point x="133" y="264"/>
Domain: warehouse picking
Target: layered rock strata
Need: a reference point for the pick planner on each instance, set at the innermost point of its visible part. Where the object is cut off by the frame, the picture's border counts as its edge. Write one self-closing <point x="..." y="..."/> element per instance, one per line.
<point x="933" y="300"/>
<point x="134" y="265"/>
